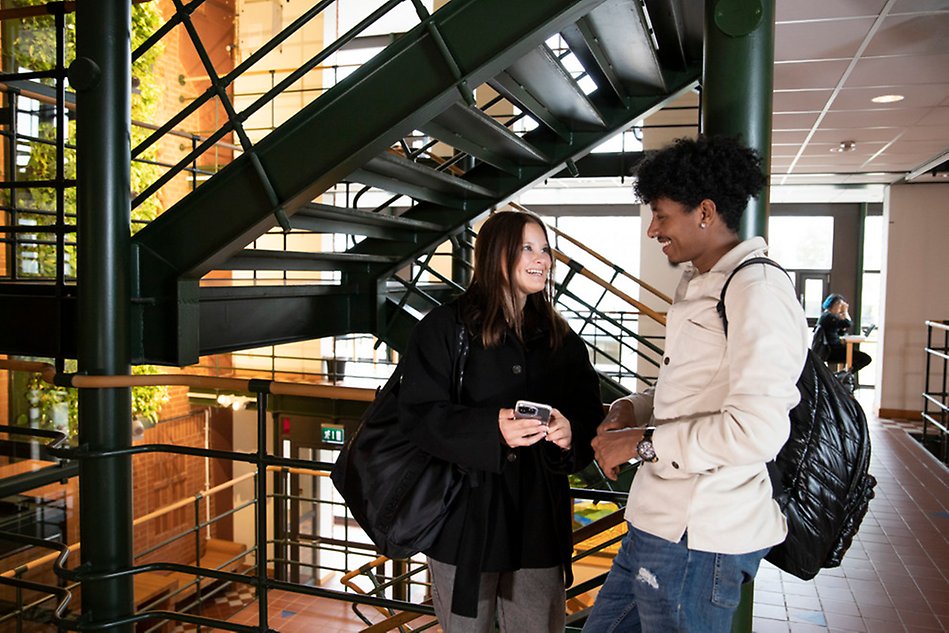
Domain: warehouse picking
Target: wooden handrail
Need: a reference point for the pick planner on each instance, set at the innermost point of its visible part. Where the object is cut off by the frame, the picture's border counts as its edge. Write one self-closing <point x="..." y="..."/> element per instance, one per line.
<point x="598" y="256"/>
<point x="83" y="381"/>
<point x="658" y="317"/>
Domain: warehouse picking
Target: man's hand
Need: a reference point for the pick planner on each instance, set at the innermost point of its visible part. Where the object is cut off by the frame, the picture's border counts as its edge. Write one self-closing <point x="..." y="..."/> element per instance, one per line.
<point x="612" y="449"/>
<point x="620" y="416"/>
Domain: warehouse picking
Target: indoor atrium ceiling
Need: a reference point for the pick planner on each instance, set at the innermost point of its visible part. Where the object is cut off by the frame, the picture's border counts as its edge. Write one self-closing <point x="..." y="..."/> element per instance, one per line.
<point x="832" y="57"/>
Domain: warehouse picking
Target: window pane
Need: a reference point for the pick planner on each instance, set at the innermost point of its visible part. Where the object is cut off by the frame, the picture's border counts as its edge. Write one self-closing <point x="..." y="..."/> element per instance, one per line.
<point x="813" y="295"/>
<point x="870" y="301"/>
<point x="803" y="242"/>
<point x="873" y="243"/>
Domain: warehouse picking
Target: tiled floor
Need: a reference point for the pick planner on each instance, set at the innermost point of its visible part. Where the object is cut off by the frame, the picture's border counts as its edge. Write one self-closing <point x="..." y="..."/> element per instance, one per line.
<point x="894" y="579"/>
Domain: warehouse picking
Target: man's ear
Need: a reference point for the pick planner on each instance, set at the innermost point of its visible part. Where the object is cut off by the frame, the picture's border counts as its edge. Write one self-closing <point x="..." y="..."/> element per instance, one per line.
<point x="708" y="212"/>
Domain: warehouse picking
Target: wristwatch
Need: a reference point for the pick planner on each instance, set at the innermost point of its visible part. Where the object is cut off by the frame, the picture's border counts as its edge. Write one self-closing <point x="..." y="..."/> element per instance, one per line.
<point x="647" y="452"/>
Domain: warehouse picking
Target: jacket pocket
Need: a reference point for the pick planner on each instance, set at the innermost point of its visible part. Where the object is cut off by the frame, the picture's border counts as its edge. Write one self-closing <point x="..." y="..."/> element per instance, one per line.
<point x="694" y="357"/>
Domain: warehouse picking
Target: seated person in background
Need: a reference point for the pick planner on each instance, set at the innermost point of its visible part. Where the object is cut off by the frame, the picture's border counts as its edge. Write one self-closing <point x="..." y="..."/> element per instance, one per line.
<point x="833" y="323"/>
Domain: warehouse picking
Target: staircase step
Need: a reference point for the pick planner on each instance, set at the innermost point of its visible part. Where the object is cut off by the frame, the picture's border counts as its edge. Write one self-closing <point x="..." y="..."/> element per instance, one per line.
<point x="259" y="259"/>
<point x="678" y="27"/>
<point x="540" y="84"/>
<point x="615" y="47"/>
<point x="271" y="289"/>
<point x="474" y="132"/>
<point x="400" y="175"/>
<point x="323" y="218"/>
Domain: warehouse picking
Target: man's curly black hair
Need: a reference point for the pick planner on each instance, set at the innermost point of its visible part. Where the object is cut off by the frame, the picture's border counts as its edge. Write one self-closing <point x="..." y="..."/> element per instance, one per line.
<point x="719" y="168"/>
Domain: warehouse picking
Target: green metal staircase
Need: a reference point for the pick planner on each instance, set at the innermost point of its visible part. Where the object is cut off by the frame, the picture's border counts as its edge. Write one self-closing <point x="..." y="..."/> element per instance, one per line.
<point x="568" y="74"/>
<point x="426" y="80"/>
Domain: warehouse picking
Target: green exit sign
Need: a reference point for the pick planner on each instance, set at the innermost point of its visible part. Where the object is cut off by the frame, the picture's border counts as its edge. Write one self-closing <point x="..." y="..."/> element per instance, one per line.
<point x="333" y="434"/>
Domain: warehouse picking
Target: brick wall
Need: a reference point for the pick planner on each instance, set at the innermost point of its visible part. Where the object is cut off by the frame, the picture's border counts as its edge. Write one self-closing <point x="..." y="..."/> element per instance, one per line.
<point x="161" y="479"/>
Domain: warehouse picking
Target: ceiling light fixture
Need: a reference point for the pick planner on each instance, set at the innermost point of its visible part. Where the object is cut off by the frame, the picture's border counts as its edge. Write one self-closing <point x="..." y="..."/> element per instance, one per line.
<point x="845" y="146"/>
<point x="887" y="98"/>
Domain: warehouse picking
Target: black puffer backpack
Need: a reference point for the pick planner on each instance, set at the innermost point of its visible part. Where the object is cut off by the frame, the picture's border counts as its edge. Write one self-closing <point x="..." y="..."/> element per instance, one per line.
<point x="820" y="476"/>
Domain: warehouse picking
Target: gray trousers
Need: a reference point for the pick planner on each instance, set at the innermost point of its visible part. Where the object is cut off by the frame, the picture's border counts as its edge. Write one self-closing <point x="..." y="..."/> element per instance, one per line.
<point x="524" y="601"/>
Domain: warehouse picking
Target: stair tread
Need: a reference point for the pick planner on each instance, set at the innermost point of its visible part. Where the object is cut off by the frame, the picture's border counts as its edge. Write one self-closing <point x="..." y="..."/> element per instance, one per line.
<point x="400" y="175"/>
<point x="613" y="41"/>
<point x="539" y="79"/>
<point x="260" y="259"/>
<point x="471" y="130"/>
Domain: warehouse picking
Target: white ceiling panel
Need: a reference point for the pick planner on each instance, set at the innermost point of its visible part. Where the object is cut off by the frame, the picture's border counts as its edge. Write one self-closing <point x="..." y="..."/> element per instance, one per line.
<point x="786" y="10"/>
<point x="845" y="53"/>
<point x="836" y="39"/>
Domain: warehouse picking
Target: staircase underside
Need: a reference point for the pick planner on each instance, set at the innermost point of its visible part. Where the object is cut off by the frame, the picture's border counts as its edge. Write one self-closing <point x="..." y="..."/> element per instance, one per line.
<point x="426" y="82"/>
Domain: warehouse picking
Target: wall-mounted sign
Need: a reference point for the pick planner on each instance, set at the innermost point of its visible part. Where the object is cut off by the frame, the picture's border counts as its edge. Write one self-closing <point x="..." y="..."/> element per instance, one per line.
<point x="333" y="434"/>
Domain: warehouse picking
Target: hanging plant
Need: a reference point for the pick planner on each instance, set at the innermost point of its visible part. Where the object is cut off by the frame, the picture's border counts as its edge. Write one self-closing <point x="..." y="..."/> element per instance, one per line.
<point x="34" y="48"/>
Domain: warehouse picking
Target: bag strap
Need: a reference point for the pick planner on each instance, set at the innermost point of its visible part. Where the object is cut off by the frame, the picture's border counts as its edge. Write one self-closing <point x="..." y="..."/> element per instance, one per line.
<point x="462" y="345"/>
<point x="774" y="473"/>
<point x="748" y="262"/>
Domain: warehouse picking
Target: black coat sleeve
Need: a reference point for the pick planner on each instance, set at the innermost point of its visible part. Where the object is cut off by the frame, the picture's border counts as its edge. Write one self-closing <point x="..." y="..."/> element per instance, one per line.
<point x="467" y="436"/>
<point x="580" y="401"/>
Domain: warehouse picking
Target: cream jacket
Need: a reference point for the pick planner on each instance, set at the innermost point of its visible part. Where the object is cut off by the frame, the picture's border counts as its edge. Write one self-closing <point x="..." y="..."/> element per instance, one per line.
<point x="721" y="408"/>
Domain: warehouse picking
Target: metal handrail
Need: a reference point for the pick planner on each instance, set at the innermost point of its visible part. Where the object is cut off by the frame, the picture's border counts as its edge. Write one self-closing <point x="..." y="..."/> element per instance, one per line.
<point x="937" y="418"/>
<point x="260" y="579"/>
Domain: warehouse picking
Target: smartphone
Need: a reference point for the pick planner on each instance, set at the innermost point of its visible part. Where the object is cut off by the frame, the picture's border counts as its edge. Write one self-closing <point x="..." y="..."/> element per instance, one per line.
<point x="532" y="410"/>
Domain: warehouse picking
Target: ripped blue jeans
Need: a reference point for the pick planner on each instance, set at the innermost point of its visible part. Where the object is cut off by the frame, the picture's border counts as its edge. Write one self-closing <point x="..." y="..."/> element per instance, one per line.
<point x="656" y="586"/>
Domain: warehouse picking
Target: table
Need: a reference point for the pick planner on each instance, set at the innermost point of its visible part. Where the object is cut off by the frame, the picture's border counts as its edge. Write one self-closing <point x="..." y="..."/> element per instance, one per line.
<point x="850" y="340"/>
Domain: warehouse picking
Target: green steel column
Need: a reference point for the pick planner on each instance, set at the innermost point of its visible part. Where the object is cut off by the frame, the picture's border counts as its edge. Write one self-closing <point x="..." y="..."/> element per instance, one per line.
<point x="101" y="76"/>
<point x="737" y="87"/>
<point x="737" y="84"/>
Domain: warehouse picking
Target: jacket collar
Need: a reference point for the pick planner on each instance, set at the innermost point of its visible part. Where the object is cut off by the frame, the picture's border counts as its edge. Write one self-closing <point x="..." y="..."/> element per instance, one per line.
<point x="753" y="247"/>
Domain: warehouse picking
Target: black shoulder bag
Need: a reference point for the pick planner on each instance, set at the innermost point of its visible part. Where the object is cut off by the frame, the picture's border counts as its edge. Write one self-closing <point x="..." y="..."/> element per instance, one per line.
<point x="399" y="494"/>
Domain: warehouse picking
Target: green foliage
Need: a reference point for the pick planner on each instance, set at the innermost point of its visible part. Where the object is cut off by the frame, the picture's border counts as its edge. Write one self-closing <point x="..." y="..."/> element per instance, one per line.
<point x="42" y="396"/>
<point x="34" y="48"/>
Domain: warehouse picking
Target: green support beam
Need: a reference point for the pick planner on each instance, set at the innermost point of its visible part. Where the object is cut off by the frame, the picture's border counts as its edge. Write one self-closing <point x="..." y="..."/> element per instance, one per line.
<point x="738" y="85"/>
<point x="101" y="76"/>
<point x="737" y="89"/>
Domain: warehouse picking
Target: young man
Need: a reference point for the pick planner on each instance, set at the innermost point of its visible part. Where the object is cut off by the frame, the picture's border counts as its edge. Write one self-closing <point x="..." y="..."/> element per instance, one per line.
<point x="700" y="511"/>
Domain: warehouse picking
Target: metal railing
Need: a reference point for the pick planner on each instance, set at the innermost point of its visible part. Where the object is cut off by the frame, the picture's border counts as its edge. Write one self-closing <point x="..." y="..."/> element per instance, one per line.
<point x="936" y="398"/>
<point x="391" y="595"/>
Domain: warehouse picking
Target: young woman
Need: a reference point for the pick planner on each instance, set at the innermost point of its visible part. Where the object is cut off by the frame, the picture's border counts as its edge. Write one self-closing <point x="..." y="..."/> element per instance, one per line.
<point x="505" y="548"/>
<point x="834" y="322"/>
<point x="700" y="512"/>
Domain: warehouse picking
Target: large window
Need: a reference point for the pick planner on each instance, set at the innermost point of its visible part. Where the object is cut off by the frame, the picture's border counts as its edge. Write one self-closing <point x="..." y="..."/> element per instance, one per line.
<point x="804" y="245"/>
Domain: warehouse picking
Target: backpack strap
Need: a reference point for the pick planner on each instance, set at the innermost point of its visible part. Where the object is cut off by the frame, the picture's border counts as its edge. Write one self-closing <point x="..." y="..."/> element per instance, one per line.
<point x="748" y="262"/>
<point x="774" y="473"/>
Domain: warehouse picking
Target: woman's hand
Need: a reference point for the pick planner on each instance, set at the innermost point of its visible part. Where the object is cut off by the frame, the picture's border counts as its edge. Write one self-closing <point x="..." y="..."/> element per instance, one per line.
<point x="519" y="431"/>
<point x="559" y="430"/>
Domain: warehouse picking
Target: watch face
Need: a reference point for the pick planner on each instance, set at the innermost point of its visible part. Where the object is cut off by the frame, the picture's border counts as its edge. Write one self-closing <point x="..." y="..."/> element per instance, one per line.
<point x="646" y="451"/>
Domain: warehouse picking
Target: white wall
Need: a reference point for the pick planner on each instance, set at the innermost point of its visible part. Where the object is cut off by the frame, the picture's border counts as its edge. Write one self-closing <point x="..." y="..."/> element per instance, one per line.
<point x="245" y="441"/>
<point x="915" y="289"/>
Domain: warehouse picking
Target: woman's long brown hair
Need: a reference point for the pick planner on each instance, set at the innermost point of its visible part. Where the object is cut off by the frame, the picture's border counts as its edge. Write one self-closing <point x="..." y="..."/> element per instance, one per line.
<point x="489" y="300"/>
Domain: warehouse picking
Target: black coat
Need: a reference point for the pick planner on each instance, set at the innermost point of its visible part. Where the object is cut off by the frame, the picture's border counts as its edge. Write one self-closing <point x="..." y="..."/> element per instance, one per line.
<point x="517" y="512"/>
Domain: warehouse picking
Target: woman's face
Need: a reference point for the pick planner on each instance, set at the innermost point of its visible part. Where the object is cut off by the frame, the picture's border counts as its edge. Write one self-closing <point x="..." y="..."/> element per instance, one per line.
<point x="533" y="263"/>
<point x="678" y="231"/>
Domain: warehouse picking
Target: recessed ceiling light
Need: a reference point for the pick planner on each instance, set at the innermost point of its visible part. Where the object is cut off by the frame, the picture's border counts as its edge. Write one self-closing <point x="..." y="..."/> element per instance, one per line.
<point x="887" y="98"/>
<point x="845" y="146"/>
